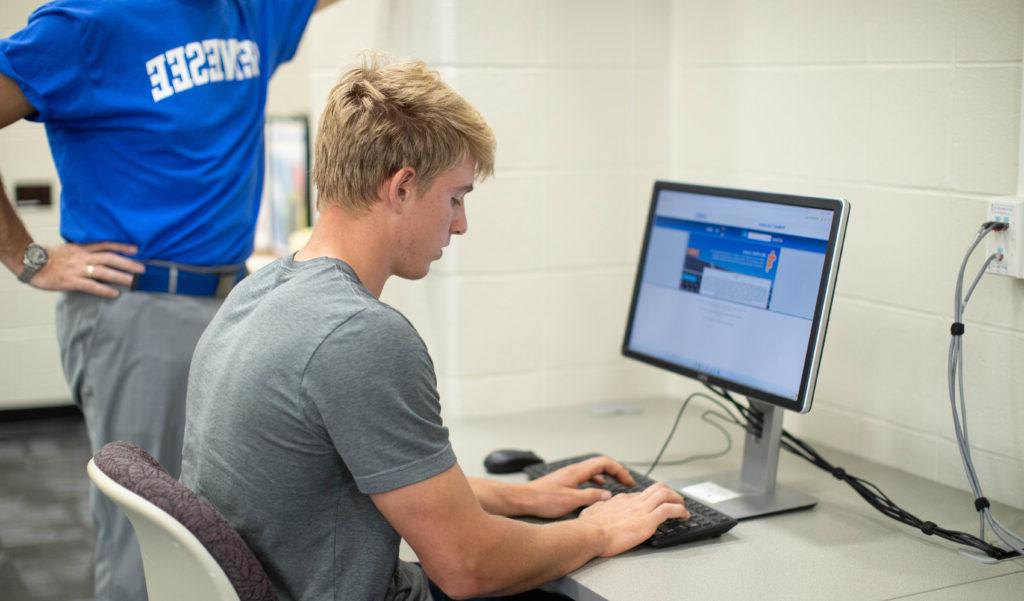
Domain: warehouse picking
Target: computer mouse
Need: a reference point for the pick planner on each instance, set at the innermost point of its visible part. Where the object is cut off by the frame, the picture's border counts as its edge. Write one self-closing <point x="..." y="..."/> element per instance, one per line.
<point x="507" y="461"/>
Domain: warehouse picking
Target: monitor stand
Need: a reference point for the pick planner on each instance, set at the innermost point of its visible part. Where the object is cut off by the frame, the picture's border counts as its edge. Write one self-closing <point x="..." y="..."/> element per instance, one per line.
<point x="752" y="492"/>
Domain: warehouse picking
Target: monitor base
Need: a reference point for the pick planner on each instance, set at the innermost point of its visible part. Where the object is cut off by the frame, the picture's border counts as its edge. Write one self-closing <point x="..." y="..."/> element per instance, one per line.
<point x="727" y="493"/>
<point x="981" y="557"/>
<point x="752" y="492"/>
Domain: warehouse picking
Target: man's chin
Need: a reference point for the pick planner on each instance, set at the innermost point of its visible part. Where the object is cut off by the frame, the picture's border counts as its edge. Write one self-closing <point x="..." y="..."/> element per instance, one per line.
<point x="417" y="274"/>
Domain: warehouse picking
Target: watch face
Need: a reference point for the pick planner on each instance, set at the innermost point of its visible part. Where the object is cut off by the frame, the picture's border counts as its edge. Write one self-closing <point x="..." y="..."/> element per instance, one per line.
<point x="35" y="254"/>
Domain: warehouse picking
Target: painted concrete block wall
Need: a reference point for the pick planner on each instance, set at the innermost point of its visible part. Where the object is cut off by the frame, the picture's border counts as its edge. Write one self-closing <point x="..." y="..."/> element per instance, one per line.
<point x="30" y="371"/>
<point x="910" y="110"/>
<point x="528" y="309"/>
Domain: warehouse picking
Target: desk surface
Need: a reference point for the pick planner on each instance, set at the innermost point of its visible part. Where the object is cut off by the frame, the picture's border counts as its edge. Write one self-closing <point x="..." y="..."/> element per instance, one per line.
<point x="841" y="549"/>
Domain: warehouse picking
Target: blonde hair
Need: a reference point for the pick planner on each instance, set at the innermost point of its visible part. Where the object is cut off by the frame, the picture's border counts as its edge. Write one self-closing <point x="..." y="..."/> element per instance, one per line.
<point x="383" y="116"/>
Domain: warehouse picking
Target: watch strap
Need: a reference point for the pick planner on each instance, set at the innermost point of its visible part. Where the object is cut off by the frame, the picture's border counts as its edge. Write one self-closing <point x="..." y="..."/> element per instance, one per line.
<point x="28" y="273"/>
<point x="31" y="267"/>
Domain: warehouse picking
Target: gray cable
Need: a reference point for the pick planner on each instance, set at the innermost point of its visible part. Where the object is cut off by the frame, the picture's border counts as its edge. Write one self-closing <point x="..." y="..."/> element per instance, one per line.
<point x="701" y="456"/>
<point x="657" y="459"/>
<point x="959" y="362"/>
<point x="955" y="366"/>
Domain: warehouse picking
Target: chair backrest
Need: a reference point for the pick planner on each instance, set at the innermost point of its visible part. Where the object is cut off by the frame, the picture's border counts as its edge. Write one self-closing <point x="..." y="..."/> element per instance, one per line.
<point x="189" y="551"/>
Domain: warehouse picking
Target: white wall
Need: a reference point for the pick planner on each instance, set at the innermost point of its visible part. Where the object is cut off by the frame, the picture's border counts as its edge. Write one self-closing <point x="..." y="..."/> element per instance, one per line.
<point x="30" y="372"/>
<point x="910" y="110"/>
<point x="528" y="309"/>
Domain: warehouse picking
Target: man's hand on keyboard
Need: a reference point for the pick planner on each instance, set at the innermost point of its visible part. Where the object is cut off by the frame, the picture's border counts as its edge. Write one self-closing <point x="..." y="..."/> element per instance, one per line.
<point x="558" y="493"/>
<point x="629" y="519"/>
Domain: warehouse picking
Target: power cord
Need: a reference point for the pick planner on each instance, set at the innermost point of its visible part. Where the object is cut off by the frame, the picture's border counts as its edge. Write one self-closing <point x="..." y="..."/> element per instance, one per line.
<point x="956" y="385"/>
<point x="867" y="490"/>
<point x="752" y="422"/>
<point x="727" y="416"/>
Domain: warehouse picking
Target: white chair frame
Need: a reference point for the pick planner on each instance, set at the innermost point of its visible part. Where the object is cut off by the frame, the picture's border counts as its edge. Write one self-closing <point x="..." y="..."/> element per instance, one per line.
<point x="177" y="565"/>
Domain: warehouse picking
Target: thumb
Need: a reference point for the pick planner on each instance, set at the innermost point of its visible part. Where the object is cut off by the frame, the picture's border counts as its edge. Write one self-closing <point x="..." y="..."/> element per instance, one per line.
<point x="589" y="496"/>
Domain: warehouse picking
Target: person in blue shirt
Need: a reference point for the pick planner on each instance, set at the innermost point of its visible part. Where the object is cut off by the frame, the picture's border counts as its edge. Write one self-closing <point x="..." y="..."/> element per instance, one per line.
<point x="154" y="115"/>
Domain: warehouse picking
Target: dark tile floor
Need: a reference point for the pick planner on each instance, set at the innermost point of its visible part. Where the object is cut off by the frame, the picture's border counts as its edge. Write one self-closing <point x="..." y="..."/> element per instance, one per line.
<point x="46" y="534"/>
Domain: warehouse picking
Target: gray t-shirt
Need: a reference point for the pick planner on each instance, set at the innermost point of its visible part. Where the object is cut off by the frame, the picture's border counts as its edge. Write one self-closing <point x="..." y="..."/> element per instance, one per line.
<point x="306" y="395"/>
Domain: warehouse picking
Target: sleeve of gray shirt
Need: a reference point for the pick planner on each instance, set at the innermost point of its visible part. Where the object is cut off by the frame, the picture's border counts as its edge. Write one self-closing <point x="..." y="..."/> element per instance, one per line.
<point x="373" y="383"/>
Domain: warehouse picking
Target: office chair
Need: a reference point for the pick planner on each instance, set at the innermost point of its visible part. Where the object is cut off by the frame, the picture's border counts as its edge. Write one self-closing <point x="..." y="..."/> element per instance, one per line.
<point x="189" y="551"/>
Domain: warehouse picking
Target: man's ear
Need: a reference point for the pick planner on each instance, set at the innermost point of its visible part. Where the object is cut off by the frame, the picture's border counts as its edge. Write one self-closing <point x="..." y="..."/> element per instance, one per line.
<point x="399" y="189"/>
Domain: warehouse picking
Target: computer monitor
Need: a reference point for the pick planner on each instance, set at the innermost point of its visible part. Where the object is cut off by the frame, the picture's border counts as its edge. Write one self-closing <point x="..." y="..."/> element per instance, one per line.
<point x="734" y="289"/>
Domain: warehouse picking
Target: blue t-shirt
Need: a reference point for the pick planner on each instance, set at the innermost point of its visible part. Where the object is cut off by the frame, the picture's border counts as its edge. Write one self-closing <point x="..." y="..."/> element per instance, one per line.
<point x="154" y="113"/>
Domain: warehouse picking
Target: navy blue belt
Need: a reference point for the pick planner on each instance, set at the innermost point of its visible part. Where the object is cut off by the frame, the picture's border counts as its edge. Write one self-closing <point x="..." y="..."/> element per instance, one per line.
<point x="191" y="280"/>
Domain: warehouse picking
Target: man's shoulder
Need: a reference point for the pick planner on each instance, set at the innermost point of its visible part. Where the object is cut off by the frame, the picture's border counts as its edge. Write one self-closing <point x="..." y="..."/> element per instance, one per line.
<point x="86" y="10"/>
<point x="377" y="325"/>
<point x="330" y="299"/>
<point x="324" y="289"/>
<point x="95" y="21"/>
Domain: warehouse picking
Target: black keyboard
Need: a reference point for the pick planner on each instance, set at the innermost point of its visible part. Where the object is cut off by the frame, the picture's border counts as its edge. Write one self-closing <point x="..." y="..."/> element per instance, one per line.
<point x="704" y="522"/>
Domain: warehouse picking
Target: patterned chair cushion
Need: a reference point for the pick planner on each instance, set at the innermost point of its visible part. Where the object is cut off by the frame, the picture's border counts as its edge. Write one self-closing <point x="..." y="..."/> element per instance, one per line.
<point x="135" y="469"/>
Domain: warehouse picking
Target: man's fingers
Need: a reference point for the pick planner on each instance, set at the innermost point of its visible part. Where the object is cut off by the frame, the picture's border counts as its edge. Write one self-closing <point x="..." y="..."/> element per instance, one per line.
<point x="621" y="473"/>
<point x="615" y="469"/>
<point x="596" y="466"/>
<point x="118" y="262"/>
<point x="658" y="494"/>
<point x="650" y="490"/>
<point x="583" y="471"/>
<point x="589" y="496"/>
<point x="667" y="511"/>
<point x="106" y="274"/>
<point x="119" y="247"/>
<point x="93" y="287"/>
<point x="673" y="494"/>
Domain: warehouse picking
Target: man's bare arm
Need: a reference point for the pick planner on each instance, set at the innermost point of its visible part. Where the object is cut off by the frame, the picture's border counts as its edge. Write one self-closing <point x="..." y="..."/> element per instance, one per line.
<point x="13" y="104"/>
<point x="13" y="235"/>
<point x="469" y="552"/>
<point x="323" y="4"/>
<point x="69" y="265"/>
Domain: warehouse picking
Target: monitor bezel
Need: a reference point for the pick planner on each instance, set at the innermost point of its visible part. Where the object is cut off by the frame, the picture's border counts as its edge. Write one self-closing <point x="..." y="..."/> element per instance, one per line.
<point x="840" y="211"/>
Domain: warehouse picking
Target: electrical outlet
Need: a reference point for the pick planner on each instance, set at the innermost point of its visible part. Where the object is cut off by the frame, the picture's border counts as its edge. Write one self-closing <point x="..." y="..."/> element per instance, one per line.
<point x="1007" y="243"/>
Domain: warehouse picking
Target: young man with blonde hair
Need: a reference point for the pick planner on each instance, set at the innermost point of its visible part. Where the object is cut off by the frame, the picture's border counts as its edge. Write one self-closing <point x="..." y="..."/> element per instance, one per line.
<point x="313" y="414"/>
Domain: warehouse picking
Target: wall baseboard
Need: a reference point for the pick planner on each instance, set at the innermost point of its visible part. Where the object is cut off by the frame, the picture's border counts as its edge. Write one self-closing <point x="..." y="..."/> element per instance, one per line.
<point x="57" y="411"/>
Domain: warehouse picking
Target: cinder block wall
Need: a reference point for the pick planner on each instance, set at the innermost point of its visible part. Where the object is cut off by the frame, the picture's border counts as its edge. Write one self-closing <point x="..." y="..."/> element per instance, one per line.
<point x="30" y="372"/>
<point x="911" y="111"/>
<point x="528" y="309"/>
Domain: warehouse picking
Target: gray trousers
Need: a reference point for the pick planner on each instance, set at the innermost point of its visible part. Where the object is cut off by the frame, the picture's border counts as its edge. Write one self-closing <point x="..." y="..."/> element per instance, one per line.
<point x="126" y="361"/>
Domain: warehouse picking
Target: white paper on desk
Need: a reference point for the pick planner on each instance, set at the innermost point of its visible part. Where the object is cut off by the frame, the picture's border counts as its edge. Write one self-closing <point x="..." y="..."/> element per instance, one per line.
<point x="709" y="492"/>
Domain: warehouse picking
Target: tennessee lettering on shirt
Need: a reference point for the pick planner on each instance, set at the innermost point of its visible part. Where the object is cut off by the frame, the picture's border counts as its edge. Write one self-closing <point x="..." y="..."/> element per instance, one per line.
<point x="199" y="63"/>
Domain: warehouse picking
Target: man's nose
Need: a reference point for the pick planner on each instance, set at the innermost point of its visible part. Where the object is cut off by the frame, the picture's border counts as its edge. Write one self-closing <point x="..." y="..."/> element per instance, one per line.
<point x="460" y="224"/>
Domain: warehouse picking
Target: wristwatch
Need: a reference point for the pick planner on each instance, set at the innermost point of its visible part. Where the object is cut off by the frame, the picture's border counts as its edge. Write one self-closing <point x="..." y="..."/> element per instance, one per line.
<point x="35" y="258"/>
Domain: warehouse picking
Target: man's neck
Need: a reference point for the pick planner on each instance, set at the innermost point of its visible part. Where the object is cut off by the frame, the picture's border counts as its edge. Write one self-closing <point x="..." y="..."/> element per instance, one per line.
<point x="359" y="240"/>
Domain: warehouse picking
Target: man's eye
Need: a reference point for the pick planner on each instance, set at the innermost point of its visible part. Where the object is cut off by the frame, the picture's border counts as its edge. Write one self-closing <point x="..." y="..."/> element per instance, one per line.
<point x="457" y="202"/>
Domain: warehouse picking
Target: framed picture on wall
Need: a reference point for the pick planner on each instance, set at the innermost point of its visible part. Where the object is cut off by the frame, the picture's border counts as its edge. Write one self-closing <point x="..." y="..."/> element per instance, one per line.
<point x="286" y="199"/>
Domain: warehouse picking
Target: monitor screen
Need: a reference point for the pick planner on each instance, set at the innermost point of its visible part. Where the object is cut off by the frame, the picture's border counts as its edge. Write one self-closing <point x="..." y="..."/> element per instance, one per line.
<point x="734" y="287"/>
